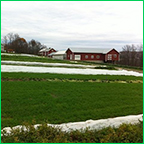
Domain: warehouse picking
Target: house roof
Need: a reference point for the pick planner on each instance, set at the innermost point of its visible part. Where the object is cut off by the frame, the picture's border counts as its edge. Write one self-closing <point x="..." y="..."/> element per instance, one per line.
<point x="51" y="54"/>
<point x="45" y="49"/>
<point x="60" y="53"/>
<point x="91" y="50"/>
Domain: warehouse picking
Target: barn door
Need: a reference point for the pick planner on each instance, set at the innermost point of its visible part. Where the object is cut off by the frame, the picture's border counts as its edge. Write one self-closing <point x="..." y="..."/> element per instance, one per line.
<point x="70" y="56"/>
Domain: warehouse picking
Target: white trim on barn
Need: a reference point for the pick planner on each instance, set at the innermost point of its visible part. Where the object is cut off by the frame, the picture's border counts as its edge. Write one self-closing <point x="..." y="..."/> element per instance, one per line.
<point x="77" y="57"/>
<point x="91" y="50"/>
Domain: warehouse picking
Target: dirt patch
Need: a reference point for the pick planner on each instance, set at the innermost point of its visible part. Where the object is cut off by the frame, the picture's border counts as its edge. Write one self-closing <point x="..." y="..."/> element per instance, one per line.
<point x="54" y="96"/>
<point x="72" y="80"/>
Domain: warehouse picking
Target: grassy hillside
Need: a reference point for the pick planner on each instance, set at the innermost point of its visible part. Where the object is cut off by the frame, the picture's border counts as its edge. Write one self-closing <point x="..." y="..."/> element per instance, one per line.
<point x="33" y="59"/>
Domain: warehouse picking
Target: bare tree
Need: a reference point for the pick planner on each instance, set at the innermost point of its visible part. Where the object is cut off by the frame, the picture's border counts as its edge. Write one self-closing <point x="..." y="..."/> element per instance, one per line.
<point x="19" y="45"/>
<point x="132" y="55"/>
<point x="34" y="46"/>
<point x="10" y="41"/>
<point x="125" y="54"/>
<point x="140" y="55"/>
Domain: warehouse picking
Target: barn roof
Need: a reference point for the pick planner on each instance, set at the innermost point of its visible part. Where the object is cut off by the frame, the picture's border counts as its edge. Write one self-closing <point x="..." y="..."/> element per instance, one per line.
<point x="91" y="50"/>
<point x="45" y="49"/>
<point x="60" y="53"/>
<point x="51" y="54"/>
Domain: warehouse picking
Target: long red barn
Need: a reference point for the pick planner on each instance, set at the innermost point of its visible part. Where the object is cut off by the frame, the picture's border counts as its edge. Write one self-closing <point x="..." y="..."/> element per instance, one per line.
<point x="92" y="54"/>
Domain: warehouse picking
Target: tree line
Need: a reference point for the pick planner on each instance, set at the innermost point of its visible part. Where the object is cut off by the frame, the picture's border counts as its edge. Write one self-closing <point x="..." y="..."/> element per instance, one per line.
<point x="132" y="55"/>
<point x="14" y="43"/>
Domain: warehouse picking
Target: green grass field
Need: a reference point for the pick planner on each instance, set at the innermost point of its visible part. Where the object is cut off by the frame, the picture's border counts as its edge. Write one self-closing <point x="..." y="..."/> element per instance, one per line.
<point x="20" y="75"/>
<point x="61" y="102"/>
<point x="32" y="59"/>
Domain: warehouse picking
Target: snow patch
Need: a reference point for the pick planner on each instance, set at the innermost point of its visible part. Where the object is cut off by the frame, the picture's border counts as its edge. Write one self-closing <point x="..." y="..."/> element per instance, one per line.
<point x="87" y="71"/>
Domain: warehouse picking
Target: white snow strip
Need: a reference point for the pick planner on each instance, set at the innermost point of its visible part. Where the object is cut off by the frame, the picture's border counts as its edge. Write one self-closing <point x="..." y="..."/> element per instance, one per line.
<point x="29" y="55"/>
<point x="46" y="64"/>
<point x="12" y="68"/>
<point x="91" y="124"/>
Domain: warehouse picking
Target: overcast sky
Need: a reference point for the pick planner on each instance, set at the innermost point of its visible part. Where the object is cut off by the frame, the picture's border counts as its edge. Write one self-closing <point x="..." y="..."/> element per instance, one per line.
<point x="63" y="24"/>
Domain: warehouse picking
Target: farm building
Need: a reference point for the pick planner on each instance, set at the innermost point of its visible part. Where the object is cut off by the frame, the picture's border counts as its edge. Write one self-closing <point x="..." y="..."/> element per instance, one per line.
<point x="2" y="48"/>
<point x="51" y="54"/>
<point x="59" y="55"/>
<point x="92" y="54"/>
<point x="46" y="51"/>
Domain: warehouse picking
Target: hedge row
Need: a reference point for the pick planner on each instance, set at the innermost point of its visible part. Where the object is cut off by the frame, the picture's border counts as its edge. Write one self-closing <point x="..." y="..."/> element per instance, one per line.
<point x="126" y="133"/>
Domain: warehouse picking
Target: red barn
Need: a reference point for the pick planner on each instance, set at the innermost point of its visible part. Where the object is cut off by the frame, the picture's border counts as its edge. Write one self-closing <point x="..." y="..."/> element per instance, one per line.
<point x="46" y="51"/>
<point x="92" y="54"/>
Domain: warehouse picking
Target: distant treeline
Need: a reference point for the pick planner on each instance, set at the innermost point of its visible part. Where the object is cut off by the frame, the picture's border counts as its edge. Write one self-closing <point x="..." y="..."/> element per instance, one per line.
<point x="14" y="43"/>
<point x="132" y="55"/>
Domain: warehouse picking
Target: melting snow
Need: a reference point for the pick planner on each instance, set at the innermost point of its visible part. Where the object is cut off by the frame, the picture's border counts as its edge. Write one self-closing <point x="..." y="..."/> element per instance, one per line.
<point x="32" y="69"/>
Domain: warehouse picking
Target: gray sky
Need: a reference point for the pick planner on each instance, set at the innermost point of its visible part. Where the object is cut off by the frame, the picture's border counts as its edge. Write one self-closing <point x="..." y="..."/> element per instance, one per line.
<point x="63" y="24"/>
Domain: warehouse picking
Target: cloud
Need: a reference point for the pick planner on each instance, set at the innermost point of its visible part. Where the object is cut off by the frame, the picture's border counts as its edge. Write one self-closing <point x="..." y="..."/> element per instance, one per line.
<point x="76" y="23"/>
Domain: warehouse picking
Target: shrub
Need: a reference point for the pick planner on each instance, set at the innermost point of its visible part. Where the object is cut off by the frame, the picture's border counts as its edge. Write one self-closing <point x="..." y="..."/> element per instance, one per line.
<point x="126" y="133"/>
